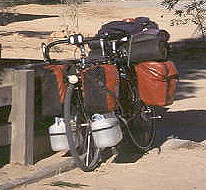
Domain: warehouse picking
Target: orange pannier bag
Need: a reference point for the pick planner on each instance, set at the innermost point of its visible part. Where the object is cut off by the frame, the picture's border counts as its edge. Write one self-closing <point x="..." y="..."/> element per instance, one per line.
<point x="156" y="82"/>
<point x="59" y="70"/>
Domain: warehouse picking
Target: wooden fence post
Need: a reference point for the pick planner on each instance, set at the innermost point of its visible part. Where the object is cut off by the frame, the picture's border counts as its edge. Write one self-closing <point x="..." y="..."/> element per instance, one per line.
<point x="22" y="117"/>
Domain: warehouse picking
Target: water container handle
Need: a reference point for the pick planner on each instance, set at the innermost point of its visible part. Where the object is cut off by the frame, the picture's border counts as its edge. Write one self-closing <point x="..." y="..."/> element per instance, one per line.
<point x="58" y="120"/>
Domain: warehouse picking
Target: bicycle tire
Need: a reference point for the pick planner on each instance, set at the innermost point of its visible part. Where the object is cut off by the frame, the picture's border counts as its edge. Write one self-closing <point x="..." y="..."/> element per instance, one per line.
<point x="139" y="118"/>
<point x="79" y="133"/>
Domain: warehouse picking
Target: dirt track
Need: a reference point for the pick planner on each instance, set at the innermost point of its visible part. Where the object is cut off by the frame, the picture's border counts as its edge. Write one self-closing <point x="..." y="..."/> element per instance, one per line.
<point x="180" y="164"/>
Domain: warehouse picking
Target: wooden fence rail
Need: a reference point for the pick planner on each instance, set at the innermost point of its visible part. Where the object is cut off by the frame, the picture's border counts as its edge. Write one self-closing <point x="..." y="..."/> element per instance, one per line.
<point x="18" y="90"/>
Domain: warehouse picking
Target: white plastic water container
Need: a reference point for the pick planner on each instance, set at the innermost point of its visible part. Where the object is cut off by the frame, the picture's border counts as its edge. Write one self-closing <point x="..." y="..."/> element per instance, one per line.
<point x="58" y="138"/>
<point x="106" y="131"/>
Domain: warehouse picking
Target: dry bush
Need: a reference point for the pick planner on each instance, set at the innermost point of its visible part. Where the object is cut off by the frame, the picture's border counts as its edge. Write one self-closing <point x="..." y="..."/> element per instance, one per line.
<point x="188" y="12"/>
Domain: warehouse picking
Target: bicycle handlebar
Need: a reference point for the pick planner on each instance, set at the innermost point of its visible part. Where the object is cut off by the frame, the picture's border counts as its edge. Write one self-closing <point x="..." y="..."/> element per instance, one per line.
<point x="46" y="48"/>
<point x="76" y="39"/>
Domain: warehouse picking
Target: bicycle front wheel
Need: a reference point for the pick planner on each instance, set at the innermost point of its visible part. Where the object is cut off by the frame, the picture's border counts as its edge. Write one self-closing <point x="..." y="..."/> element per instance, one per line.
<point x="79" y="133"/>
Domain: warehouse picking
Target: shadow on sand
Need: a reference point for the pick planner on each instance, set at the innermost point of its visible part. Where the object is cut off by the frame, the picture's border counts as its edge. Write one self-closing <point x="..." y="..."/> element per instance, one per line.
<point x="189" y="57"/>
<point x="29" y="34"/>
<point x="7" y="18"/>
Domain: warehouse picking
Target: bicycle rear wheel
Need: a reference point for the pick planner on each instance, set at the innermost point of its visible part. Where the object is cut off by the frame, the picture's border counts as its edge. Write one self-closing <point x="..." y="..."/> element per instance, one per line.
<point x="79" y="132"/>
<point x="138" y="117"/>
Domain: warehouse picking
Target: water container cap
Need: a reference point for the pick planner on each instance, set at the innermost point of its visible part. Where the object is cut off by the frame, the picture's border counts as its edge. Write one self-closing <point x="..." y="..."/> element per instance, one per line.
<point x="98" y="117"/>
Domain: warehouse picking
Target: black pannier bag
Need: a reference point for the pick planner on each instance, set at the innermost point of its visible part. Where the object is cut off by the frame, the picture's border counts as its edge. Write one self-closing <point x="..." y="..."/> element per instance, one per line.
<point x="148" y="45"/>
<point x="146" y="40"/>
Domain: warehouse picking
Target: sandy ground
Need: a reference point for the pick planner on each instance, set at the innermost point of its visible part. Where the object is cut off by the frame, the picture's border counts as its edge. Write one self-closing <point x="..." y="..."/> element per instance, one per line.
<point x="182" y="168"/>
<point x="181" y="162"/>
